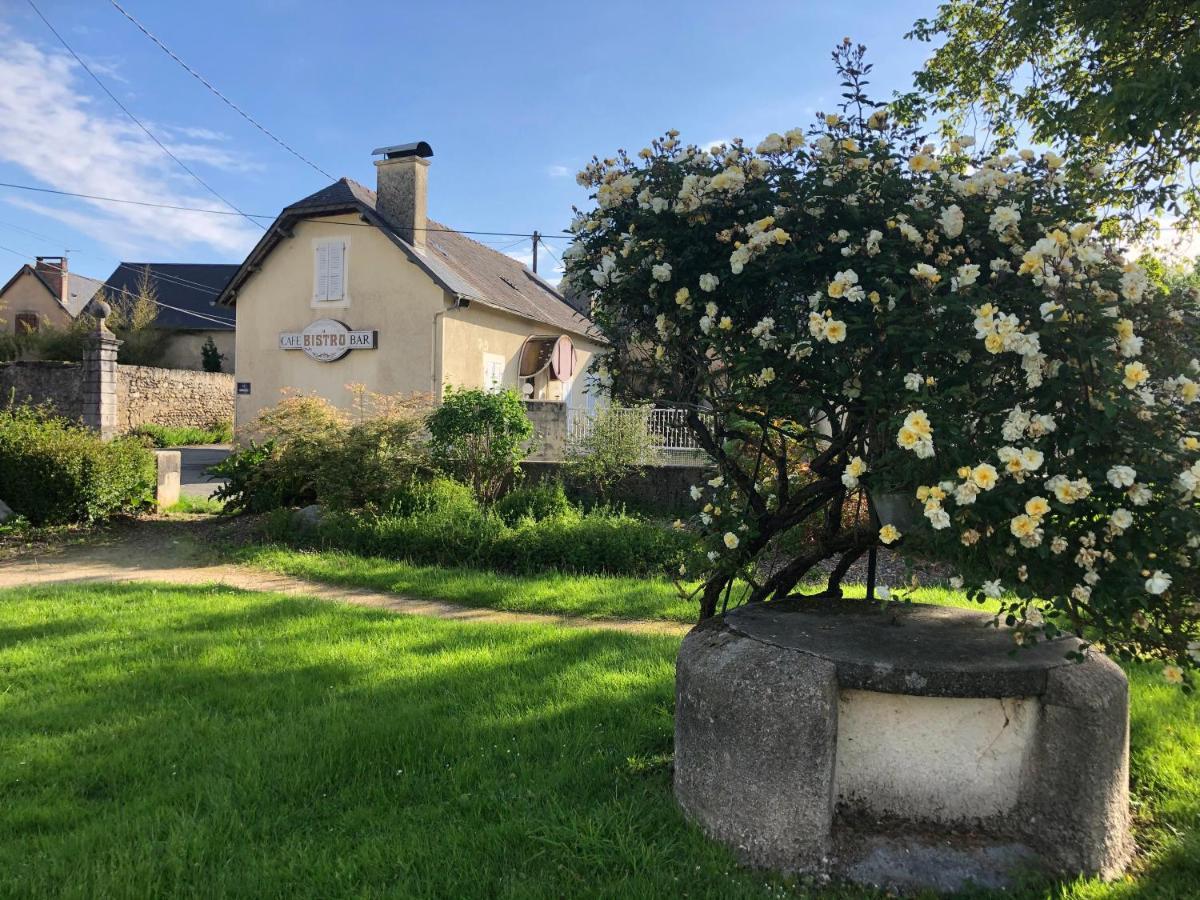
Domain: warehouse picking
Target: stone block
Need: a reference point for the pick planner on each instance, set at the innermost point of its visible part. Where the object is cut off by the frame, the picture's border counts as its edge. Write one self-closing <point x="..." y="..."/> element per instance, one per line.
<point x="169" y="468"/>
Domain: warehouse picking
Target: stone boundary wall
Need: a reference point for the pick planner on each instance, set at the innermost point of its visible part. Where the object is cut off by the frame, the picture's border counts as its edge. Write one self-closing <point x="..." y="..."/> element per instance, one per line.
<point x="37" y="382"/>
<point x="173" y="397"/>
<point x="144" y="394"/>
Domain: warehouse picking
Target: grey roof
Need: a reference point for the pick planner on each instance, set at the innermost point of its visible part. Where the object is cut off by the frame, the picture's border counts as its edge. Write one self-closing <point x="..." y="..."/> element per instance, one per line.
<point x="462" y="266"/>
<point x="187" y="292"/>
<point x="80" y="291"/>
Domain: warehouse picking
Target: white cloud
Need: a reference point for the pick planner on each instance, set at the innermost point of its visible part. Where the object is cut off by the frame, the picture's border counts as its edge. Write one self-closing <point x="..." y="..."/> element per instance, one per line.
<point x="559" y="171"/>
<point x="64" y="139"/>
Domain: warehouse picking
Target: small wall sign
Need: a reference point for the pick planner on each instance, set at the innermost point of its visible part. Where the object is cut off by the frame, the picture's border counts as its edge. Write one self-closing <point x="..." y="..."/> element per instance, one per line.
<point x="328" y="339"/>
<point x="243" y="387"/>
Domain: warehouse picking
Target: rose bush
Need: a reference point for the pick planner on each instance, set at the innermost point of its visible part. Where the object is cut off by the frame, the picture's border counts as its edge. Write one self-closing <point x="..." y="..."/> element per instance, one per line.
<point x="859" y="314"/>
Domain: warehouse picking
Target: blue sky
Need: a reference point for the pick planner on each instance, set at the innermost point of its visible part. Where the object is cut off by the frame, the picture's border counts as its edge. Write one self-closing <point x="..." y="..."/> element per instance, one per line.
<point x="514" y="98"/>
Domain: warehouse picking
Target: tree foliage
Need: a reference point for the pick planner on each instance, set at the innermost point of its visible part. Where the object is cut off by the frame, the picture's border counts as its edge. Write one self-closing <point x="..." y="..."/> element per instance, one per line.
<point x="617" y="445"/>
<point x="1109" y="82"/>
<point x="479" y="438"/>
<point x="860" y="315"/>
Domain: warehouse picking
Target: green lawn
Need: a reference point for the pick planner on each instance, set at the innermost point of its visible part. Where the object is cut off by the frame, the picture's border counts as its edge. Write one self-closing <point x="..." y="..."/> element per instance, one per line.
<point x="159" y="741"/>
<point x="598" y="597"/>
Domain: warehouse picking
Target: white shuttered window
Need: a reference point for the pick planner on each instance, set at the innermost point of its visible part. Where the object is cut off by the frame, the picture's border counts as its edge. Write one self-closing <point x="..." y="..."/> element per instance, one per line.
<point x="329" y="271"/>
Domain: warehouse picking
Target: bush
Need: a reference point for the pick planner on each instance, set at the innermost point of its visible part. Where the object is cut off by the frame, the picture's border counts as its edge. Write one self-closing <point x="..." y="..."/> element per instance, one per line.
<point x="618" y="445"/>
<point x="182" y="435"/>
<point x="453" y="534"/>
<point x="537" y="502"/>
<point x="308" y="450"/>
<point x="53" y="472"/>
<point x="442" y="495"/>
<point x="479" y="438"/>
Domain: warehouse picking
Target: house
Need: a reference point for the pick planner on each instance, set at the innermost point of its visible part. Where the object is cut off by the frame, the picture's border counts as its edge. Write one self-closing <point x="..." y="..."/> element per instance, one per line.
<point x="44" y="295"/>
<point x="188" y="316"/>
<point x="354" y="286"/>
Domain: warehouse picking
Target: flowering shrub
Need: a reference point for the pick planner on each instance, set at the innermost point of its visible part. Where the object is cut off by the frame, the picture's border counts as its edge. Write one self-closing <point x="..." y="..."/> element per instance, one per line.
<point x="867" y="316"/>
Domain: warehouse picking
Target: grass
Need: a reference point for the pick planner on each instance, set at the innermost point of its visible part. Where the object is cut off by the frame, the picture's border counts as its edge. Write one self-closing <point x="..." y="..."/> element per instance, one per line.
<point x="191" y="505"/>
<point x="159" y="741"/>
<point x="596" y="597"/>
<point x="183" y="435"/>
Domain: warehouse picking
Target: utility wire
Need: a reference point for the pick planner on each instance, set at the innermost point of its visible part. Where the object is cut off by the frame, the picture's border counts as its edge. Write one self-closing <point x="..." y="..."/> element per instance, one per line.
<point x="36" y="234"/>
<point x="136" y="120"/>
<point x="225" y="212"/>
<point x="245" y="115"/>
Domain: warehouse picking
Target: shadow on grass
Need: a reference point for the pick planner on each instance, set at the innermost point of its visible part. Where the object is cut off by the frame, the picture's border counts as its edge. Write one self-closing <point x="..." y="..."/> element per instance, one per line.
<point x="159" y="741"/>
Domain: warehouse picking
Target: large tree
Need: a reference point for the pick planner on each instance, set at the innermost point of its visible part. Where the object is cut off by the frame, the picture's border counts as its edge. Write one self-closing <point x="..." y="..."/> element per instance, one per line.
<point x="883" y="341"/>
<point x="1113" y="83"/>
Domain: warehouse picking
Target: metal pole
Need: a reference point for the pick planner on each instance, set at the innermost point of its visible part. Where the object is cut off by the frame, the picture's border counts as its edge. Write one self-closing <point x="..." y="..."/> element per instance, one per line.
<point x="535" y="243"/>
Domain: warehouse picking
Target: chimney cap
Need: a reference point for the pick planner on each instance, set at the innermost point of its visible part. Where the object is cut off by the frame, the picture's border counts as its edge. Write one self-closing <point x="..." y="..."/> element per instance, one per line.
<point x="416" y="148"/>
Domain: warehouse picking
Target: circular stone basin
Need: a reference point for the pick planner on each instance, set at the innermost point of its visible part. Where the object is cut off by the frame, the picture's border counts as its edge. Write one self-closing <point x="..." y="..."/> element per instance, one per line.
<point x="914" y="746"/>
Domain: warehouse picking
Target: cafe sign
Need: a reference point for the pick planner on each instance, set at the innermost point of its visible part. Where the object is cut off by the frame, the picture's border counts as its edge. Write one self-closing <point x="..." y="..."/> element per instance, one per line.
<point x="328" y="339"/>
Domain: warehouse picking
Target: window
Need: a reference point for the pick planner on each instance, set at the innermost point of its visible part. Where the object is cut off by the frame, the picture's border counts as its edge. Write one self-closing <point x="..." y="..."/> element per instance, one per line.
<point x="26" y="323"/>
<point x="493" y="372"/>
<point x="329" y="271"/>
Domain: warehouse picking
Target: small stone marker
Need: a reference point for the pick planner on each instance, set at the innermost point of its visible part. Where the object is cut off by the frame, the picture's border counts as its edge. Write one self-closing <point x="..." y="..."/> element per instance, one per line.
<point x="169" y="467"/>
<point x="6" y="512"/>
<point x="907" y="748"/>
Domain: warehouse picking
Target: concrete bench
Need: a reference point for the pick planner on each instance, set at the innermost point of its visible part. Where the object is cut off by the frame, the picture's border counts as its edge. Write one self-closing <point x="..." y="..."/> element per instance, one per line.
<point x="909" y="747"/>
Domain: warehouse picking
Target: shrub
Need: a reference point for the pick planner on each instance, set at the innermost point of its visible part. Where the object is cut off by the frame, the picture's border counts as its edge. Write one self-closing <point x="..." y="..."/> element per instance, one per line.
<point x="441" y="495"/>
<point x="955" y="327"/>
<point x="617" y="445"/>
<point x="478" y="437"/>
<point x="309" y="452"/>
<point x="182" y="435"/>
<point x="210" y="356"/>
<point x="539" y="501"/>
<point x="598" y="542"/>
<point x="53" y="472"/>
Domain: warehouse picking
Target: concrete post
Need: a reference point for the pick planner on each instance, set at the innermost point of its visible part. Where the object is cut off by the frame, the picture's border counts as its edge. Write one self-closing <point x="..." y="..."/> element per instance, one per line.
<point x="100" y="381"/>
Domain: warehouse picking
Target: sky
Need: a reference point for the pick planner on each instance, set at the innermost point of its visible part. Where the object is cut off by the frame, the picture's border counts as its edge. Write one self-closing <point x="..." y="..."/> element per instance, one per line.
<point x="513" y="98"/>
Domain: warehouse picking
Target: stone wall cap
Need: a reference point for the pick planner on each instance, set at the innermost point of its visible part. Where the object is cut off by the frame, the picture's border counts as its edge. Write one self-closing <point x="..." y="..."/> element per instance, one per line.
<point x="905" y="648"/>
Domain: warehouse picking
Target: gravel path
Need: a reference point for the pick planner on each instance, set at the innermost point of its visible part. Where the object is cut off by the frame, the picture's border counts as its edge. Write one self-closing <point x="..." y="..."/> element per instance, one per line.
<point x="171" y="552"/>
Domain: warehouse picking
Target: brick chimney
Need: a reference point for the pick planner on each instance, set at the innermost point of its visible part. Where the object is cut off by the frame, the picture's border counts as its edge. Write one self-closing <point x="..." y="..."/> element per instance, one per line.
<point x="53" y="270"/>
<point x="402" y="189"/>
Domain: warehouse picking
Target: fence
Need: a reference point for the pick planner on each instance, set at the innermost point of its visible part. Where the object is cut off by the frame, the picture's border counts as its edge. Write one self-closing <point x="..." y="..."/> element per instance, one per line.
<point x="668" y="427"/>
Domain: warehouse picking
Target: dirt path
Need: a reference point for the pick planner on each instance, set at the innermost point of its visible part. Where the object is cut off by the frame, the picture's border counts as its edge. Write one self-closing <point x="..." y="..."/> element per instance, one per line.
<point x="172" y="553"/>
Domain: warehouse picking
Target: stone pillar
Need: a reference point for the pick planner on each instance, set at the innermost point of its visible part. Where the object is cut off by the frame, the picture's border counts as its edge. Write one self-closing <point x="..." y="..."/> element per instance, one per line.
<point x="100" y="382"/>
<point x="169" y="464"/>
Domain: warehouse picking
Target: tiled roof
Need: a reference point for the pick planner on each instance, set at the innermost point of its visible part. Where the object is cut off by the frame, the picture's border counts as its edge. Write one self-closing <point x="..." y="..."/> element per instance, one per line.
<point x="465" y="267"/>
<point x="187" y="292"/>
<point x="80" y="291"/>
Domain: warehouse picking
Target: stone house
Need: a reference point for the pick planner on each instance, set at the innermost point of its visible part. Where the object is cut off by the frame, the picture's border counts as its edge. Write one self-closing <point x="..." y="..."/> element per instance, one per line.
<point x="354" y="286"/>
<point x="44" y="295"/>
<point x="188" y="316"/>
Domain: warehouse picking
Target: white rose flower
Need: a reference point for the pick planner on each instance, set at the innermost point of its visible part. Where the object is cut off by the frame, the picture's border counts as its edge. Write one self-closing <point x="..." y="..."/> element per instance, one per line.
<point x="1158" y="582"/>
<point x="731" y="540"/>
<point x="993" y="589"/>
<point x="913" y="381"/>
<point x="661" y="272"/>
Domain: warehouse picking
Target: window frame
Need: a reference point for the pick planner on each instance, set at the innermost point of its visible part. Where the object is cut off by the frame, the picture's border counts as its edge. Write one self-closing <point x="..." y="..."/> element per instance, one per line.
<point x="26" y="315"/>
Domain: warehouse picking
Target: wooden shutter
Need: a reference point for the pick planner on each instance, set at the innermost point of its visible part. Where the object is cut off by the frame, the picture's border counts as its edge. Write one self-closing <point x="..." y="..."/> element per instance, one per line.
<point x="321" y="272"/>
<point x="335" y="288"/>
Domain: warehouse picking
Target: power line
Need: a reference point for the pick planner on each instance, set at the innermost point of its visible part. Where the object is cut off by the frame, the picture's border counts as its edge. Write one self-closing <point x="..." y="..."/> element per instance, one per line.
<point x="225" y="212"/>
<point x="245" y="115"/>
<point x="36" y="234"/>
<point x="135" y="119"/>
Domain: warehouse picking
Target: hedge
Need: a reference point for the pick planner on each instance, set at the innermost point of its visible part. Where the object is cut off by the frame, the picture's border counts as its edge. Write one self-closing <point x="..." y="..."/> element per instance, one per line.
<point x="53" y="472"/>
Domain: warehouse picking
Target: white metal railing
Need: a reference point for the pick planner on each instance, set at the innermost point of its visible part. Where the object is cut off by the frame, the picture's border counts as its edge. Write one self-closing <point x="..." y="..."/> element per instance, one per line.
<point x="668" y="427"/>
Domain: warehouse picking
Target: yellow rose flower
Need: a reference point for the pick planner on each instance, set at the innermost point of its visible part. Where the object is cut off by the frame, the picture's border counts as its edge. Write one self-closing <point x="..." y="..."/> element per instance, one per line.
<point x="1037" y="507"/>
<point x="889" y="534"/>
<point x="985" y="476"/>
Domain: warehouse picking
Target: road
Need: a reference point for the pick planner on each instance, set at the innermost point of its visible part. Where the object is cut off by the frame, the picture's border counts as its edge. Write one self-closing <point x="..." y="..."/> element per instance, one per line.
<point x="194" y="462"/>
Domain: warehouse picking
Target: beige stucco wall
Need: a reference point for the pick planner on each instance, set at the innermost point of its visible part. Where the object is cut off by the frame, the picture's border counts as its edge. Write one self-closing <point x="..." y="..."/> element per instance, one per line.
<point x="386" y="293"/>
<point x="423" y="342"/>
<point x="473" y="333"/>
<point x="183" y="349"/>
<point x="942" y="759"/>
<point x="28" y="294"/>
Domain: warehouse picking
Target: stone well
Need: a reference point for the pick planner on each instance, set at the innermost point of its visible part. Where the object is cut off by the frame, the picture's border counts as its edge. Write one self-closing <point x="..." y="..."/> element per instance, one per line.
<point x="908" y="747"/>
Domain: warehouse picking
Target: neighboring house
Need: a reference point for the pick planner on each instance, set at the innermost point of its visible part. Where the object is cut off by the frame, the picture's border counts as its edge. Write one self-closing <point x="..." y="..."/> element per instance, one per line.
<point x="187" y="311"/>
<point x="44" y="295"/>
<point x="352" y="286"/>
